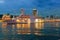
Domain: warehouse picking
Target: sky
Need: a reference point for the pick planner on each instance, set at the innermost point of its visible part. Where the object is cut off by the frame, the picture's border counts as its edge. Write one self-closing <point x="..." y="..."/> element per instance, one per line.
<point x="44" y="7"/>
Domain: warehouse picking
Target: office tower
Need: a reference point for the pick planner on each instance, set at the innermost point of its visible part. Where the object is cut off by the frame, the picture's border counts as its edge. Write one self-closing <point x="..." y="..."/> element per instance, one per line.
<point x="35" y="12"/>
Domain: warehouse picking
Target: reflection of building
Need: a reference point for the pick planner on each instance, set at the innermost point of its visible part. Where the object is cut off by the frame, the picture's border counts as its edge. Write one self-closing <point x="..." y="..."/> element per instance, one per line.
<point x="6" y="17"/>
<point x="39" y="23"/>
<point x="35" y="12"/>
<point x="23" y="28"/>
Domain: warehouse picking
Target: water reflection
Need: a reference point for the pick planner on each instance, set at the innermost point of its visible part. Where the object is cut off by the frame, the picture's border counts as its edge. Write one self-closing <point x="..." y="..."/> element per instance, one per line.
<point x="52" y="28"/>
<point x="22" y="28"/>
<point x="33" y="28"/>
<point x="39" y="25"/>
<point x="4" y="26"/>
<point x="12" y="31"/>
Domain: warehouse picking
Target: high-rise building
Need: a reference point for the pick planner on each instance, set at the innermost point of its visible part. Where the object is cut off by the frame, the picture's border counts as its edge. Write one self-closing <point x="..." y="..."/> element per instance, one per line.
<point x="35" y="12"/>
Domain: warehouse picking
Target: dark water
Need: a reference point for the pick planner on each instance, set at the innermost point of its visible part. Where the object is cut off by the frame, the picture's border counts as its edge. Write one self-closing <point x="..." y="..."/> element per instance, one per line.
<point x="34" y="31"/>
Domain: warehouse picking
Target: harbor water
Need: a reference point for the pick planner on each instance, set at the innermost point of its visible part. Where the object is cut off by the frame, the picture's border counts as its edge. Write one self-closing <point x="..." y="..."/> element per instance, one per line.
<point x="30" y="31"/>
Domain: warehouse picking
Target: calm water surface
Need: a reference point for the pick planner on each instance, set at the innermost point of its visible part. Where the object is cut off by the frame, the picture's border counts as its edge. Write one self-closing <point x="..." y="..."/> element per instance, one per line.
<point x="33" y="31"/>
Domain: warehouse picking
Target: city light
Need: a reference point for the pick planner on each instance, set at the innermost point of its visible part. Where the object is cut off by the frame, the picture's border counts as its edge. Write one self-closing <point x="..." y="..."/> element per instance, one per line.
<point x="17" y="20"/>
<point x="36" y="20"/>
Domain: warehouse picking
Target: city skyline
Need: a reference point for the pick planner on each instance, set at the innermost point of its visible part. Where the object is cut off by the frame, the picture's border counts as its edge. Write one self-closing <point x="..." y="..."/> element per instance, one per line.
<point x="44" y="7"/>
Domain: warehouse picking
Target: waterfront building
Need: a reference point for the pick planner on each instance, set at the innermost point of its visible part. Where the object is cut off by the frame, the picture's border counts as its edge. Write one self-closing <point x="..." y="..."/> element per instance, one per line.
<point x="6" y="17"/>
<point x="23" y="18"/>
<point x="35" y="12"/>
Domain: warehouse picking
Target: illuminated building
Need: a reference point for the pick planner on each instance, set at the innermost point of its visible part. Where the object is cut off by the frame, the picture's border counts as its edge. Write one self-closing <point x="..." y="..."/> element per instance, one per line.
<point x="6" y="17"/>
<point x="23" y="17"/>
<point x="35" y="12"/>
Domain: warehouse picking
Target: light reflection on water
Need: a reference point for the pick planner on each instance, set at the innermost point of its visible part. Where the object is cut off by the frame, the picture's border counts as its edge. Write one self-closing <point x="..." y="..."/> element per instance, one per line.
<point x="35" y="28"/>
<point x="23" y="28"/>
<point x="48" y="28"/>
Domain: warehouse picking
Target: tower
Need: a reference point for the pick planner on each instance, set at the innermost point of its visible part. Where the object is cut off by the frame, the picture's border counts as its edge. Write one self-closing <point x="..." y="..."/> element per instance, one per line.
<point x="35" y="12"/>
<point x="22" y="11"/>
